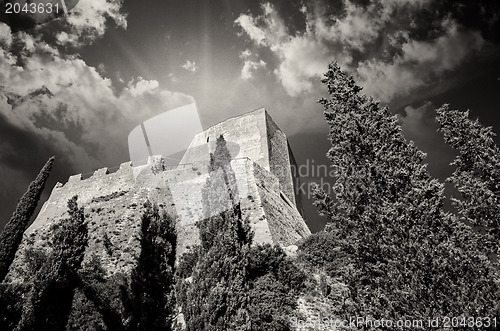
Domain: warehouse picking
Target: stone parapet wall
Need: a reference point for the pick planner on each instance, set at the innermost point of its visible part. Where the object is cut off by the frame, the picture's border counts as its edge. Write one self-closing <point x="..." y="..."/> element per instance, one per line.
<point x="99" y="184"/>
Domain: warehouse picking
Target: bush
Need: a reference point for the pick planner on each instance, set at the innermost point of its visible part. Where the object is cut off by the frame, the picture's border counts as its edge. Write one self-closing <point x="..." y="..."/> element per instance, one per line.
<point x="322" y="250"/>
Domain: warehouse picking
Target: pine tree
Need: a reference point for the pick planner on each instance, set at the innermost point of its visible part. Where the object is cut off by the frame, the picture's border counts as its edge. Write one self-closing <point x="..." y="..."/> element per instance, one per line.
<point x="477" y="173"/>
<point x="149" y="300"/>
<point x="11" y="237"/>
<point x="407" y="257"/>
<point x="49" y="304"/>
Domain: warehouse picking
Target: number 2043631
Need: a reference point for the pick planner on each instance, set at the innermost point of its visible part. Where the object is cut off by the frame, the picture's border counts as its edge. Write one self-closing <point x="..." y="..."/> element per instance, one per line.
<point x="31" y="8"/>
<point x="473" y="322"/>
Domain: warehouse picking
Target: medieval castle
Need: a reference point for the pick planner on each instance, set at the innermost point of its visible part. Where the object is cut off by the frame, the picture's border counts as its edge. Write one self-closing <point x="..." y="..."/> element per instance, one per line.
<point x="262" y="162"/>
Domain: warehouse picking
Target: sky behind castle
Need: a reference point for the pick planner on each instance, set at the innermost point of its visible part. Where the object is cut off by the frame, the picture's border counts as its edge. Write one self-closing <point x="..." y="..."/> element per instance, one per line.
<point x="76" y="86"/>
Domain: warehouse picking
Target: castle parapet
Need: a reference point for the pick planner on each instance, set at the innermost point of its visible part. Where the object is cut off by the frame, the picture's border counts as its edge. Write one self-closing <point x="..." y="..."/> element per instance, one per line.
<point x="101" y="172"/>
<point x="74" y="179"/>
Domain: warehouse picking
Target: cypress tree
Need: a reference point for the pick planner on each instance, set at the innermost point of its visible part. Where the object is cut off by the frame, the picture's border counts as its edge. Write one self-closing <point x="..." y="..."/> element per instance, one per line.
<point x="407" y="258"/>
<point x="93" y="305"/>
<point x="149" y="300"/>
<point x="11" y="237"/>
<point x="477" y="173"/>
<point x="11" y="304"/>
<point x="49" y="304"/>
<point x="146" y="301"/>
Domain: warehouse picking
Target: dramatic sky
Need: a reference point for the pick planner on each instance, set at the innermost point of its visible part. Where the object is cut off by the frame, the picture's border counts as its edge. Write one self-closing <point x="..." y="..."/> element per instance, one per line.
<point x="75" y="86"/>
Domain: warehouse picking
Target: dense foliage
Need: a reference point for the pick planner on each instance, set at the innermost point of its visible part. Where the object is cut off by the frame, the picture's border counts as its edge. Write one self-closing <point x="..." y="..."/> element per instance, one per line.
<point x="11" y="304"/>
<point x="143" y="301"/>
<point x="66" y="295"/>
<point x="275" y="282"/>
<point x="477" y="173"/>
<point x="322" y="250"/>
<point x="149" y="299"/>
<point x="55" y="275"/>
<point x="406" y="257"/>
<point x="11" y="237"/>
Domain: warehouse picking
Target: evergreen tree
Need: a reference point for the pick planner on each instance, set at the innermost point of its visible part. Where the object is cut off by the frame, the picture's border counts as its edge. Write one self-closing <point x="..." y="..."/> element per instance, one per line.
<point x="149" y="301"/>
<point x="275" y="282"/>
<point x="216" y="298"/>
<point x="407" y="258"/>
<point x="102" y="297"/>
<point x="95" y="299"/>
<point x="11" y="237"/>
<point x="11" y="304"/>
<point x="49" y="303"/>
<point x="146" y="301"/>
<point x="477" y="173"/>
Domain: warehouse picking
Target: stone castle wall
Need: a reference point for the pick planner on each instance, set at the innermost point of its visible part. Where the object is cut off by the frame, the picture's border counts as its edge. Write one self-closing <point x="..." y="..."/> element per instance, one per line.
<point x="279" y="159"/>
<point x="113" y="202"/>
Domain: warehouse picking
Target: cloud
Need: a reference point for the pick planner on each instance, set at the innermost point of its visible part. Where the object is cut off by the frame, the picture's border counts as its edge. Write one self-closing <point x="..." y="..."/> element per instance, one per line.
<point x="142" y="87"/>
<point x="190" y="66"/>
<point x="421" y="63"/>
<point x="248" y="23"/>
<point x="379" y="43"/>
<point x="87" y="21"/>
<point x="250" y="65"/>
<point x="69" y="104"/>
<point x="300" y="57"/>
<point x="54" y="103"/>
<point x="79" y="113"/>
<point x="5" y="35"/>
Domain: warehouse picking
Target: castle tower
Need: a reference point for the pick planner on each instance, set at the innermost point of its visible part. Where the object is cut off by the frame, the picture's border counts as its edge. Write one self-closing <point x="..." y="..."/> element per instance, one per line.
<point x="255" y="136"/>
